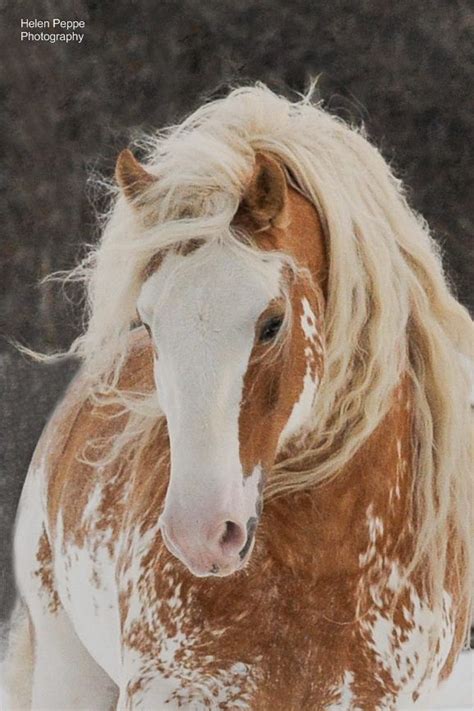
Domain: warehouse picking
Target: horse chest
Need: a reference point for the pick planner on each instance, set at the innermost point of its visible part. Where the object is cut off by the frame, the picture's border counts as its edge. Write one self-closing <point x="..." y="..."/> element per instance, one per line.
<point x="227" y="644"/>
<point x="270" y="646"/>
<point x="270" y="640"/>
<point x="264" y="638"/>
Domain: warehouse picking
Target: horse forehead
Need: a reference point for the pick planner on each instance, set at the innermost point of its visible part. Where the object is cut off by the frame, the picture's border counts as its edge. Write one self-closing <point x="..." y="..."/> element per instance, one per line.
<point x="217" y="289"/>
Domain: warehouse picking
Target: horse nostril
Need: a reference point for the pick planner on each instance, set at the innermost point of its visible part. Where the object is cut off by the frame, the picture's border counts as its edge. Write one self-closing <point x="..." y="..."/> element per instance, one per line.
<point x="233" y="536"/>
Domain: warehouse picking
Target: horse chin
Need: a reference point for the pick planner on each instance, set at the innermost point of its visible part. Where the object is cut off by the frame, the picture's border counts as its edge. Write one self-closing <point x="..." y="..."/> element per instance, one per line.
<point x="217" y="573"/>
<point x="223" y="572"/>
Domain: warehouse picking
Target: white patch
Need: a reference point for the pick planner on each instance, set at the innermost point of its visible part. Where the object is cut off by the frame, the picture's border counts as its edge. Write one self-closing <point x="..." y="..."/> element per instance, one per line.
<point x="375" y="527"/>
<point x="407" y="652"/>
<point x="303" y="409"/>
<point x="190" y="690"/>
<point x="395" y="581"/>
<point x="28" y="531"/>
<point x="65" y="675"/>
<point x="408" y="655"/>
<point x="91" y="602"/>
<point x="135" y="546"/>
<point x="92" y="505"/>
<point x="202" y="309"/>
<point x="309" y="324"/>
<point x="179" y="684"/>
<point x="344" y="695"/>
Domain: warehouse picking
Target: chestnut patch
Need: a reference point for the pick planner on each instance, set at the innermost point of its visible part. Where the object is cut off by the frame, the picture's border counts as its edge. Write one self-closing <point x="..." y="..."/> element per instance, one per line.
<point x="272" y="392"/>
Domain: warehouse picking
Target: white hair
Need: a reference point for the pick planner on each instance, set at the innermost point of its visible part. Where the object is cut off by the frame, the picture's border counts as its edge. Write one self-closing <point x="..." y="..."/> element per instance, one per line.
<point x="389" y="308"/>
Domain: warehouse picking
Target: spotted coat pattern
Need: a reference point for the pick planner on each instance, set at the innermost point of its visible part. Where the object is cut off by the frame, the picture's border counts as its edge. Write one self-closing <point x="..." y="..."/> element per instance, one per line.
<point x="322" y="617"/>
<point x="319" y="619"/>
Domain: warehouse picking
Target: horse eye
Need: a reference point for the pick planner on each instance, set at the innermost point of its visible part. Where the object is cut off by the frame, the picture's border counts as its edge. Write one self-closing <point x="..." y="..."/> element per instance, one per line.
<point x="147" y="327"/>
<point x="270" y="329"/>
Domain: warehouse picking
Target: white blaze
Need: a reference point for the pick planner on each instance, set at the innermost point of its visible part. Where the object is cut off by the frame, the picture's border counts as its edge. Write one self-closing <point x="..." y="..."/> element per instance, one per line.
<point x="202" y="309"/>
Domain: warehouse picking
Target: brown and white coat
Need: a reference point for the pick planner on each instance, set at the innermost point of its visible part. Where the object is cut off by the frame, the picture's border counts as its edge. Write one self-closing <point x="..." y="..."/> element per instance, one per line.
<point x="316" y="614"/>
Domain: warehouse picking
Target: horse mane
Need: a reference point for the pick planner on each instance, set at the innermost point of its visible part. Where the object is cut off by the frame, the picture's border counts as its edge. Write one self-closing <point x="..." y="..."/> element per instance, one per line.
<point x="389" y="310"/>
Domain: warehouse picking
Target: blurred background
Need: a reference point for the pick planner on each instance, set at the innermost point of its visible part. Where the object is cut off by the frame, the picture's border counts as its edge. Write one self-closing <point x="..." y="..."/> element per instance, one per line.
<point x="404" y="69"/>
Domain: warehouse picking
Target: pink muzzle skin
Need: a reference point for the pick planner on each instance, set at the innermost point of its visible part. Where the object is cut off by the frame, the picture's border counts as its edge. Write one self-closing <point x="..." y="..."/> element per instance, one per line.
<point x="218" y="549"/>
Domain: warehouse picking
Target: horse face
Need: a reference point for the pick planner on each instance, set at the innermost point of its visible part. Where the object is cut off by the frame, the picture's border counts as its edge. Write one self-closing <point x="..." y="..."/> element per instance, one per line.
<point x="238" y="357"/>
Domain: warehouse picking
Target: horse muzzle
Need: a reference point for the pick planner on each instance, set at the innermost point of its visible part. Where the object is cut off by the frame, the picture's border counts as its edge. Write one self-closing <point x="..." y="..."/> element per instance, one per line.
<point x="218" y="549"/>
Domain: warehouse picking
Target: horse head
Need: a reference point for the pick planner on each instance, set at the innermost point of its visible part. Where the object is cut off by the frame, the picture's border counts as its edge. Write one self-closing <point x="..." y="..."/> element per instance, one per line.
<point x="237" y="335"/>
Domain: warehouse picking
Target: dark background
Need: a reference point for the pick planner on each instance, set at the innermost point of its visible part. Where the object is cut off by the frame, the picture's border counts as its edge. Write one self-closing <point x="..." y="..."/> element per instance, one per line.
<point x="405" y="69"/>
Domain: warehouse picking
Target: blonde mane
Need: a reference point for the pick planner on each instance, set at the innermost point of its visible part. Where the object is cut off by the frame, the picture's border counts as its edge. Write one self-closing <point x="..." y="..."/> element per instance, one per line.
<point x="389" y="307"/>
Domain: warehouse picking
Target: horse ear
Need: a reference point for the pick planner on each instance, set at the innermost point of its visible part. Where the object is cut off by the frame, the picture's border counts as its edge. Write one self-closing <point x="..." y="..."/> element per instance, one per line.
<point x="265" y="199"/>
<point x="132" y="176"/>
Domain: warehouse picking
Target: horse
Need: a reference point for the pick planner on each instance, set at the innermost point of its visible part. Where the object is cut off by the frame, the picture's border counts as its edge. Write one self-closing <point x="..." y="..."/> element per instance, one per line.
<point x="256" y="492"/>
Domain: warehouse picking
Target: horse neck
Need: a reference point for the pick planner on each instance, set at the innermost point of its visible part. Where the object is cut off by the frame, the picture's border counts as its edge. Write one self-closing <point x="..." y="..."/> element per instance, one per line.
<point x="365" y="506"/>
